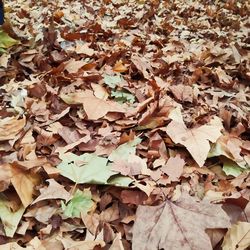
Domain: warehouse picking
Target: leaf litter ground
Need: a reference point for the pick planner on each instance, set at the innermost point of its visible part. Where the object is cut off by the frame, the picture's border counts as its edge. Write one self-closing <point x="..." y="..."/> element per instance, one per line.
<point x="125" y="125"/>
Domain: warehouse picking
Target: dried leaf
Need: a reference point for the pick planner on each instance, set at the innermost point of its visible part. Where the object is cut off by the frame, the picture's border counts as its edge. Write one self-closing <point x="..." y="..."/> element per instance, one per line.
<point x="24" y="183"/>
<point x="53" y="191"/>
<point x="179" y="225"/>
<point x="10" y="219"/>
<point x="237" y="237"/>
<point x="10" y="127"/>
<point x="196" y="140"/>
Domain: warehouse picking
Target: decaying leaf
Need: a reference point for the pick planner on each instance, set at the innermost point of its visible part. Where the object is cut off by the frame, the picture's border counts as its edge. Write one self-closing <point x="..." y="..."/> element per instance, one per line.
<point x="179" y="225"/>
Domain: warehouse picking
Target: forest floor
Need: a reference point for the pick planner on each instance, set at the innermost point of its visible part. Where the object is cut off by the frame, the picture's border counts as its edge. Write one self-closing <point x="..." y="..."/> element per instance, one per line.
<point x="125" y="125"/>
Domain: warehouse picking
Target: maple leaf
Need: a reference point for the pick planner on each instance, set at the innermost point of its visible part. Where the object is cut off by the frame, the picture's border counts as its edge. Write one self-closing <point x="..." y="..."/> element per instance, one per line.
<point x="237" y="237"/>
<point x="81" y="202"/>
<point x="86" y="168"/>
<point x="196" y="140"/>
<point x="179" y="225"/>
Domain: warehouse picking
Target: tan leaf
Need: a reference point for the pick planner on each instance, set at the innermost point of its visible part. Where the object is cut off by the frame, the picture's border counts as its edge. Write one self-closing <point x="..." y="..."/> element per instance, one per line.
<point x="24" y="183"/>
<point x="70" y="244"/>
<point x="179" y="225"/>
<point x="119" y="67"/>
<point x="237" y="237"/>
<point x="84" y="49"/>
<point x="5" y="176"/>
<point x="96" y="108"/>
<point x="142" y="65"/>
<point x="196" y="140"/>
<point x="72" y="66"/>
<point x="117" y="243"/>
<point x="174" y="167"/>
<point x="10" y="127"/>
<point x="53" y="191"/>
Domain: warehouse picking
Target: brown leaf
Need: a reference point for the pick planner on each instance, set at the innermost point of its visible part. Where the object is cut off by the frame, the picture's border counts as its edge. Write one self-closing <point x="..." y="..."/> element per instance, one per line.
<point x="10" y="127"/>
<point x="24" y="183"/>
<point x="174" y="167"/>
<point x="96" y="108"/>
<point x="179" y="225"/>
<point x="53" y="191"/>
<point x="5" y="176"/>
<point x="72" y="66"/>
<point x="196" y="140"/>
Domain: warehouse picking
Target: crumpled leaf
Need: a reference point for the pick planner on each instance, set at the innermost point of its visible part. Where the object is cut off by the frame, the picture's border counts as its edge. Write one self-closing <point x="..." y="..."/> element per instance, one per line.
<point x="196" y="140"/>
<point x="10" y="127"/>
<point x="10" y="219"/>
<point x="86" y="168"/>
<point x="53" y="191"/>
<point x="237" y="237"/>
<point x="81" y="202"/>
<point x="179" y="225"/>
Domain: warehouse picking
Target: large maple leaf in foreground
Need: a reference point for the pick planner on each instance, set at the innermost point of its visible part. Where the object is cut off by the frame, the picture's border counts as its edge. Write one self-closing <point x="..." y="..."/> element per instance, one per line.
<point x="179" y="225"/>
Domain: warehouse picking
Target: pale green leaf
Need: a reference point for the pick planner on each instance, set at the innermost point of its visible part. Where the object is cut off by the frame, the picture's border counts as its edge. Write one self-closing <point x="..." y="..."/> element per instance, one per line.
<point x="120" y="181"/>
<point x="86" y="168"/>
<point x="112" y="81"/>
<point x="80" y="203"/>
<point x="122" y="96"/>
<point x="10" y="219"/>
<point x="6" y="41"/>
<point x="124" y="150"/>
<point x="231" y="168"/>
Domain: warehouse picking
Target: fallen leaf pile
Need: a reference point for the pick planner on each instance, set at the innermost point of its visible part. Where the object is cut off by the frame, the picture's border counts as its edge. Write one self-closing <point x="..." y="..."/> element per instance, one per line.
<point x="125" y="125"/>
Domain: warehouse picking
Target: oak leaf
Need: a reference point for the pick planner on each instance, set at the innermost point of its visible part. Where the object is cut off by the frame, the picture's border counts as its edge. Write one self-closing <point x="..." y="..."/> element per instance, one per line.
<point x="196" y="140"/>
<point x="179" y="225"/>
